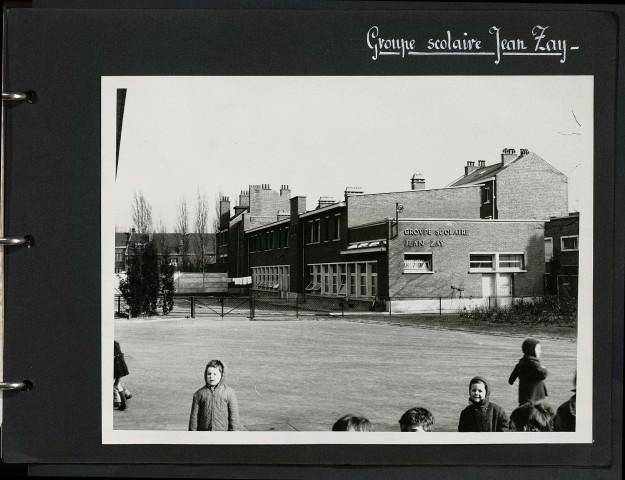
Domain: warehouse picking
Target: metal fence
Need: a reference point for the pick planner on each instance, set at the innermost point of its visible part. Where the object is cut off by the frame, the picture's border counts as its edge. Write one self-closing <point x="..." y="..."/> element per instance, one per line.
<point x="264" y="306"/>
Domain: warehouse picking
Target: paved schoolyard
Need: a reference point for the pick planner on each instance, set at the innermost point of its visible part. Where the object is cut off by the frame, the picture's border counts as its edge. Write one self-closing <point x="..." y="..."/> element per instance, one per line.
<point x="307" y="373"/>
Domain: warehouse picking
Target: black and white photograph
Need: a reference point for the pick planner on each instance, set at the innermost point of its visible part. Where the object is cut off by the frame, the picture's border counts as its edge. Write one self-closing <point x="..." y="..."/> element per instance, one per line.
<point x="288" y="257"/>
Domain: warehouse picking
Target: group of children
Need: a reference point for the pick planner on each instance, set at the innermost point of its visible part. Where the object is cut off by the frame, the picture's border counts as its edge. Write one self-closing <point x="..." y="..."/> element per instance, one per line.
<point x="215" y="408"/>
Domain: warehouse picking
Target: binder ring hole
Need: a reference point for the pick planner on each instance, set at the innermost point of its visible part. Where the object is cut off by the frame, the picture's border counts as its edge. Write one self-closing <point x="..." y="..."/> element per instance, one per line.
<point x="31" y="97"/>
<point x="29" y="241"/>
<point x="28" y="385"/>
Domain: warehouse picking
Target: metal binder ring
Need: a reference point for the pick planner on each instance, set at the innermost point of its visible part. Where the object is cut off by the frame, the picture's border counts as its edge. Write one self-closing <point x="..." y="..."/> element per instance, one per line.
<point x="15" y="385"/>
<point x="27" y="241"/>
<point x="29" y="96"/>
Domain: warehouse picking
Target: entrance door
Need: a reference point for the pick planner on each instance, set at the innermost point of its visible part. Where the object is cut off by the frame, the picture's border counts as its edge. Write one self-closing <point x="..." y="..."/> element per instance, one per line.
<point x="504" y="289"/>
<point x="488" y="287"/>
<point x="498" y="287"/>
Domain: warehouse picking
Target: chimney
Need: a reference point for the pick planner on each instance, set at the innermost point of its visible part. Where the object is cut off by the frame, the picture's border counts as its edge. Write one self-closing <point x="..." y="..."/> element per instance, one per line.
<point x="417" y="182"/>
<point x="282" y="215"/>
<point x="349" y="191"/>
<point x="224" y="212"/>
<point x="285" y="191"/>
<point x="470" y="168"/>
<point x="298" y="206"/>
<point x="325" y="201"/>
<point x="244" y="198"/>
<point x="481" y="163"/>
<point x="507" y="155"/>
<point x="524" y="151"/>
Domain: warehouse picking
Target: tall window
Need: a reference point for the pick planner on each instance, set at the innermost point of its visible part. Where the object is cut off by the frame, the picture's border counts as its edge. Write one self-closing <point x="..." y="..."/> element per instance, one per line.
<point x="337" y="227"/>
<point x="548" y="249"/>
<point x="353" y="279"/>
<point x="326" y="229"/>
<point x="285" y="243"/>
<point x="486" y="195"/>
<point x="317" y="231"/>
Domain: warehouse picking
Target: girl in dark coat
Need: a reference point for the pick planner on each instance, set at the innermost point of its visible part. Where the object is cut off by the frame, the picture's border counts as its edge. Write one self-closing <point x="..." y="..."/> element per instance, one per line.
<point x="531" y="373"/>
<point x="482" y="415"/>
<point x="120" y="369"/>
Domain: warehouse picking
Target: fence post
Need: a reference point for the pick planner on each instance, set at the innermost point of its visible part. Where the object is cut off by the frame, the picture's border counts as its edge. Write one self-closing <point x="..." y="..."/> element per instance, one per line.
<point x="192" y="307"/>
<point x="342" y="307"/>
<point x="390" y="307"/>
<point x="119" y="305"/>
<point x="222" y="307"/>
<point x="297" y="306"/>
<point x="440" y="306"/>
<point x="252" y="307"/>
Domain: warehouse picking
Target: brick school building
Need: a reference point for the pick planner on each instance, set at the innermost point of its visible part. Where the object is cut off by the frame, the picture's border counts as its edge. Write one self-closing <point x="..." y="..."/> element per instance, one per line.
<point x="480" y="238"/>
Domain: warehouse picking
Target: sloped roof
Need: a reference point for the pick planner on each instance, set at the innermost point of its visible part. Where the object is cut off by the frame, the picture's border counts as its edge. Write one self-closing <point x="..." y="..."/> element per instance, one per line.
<point x="484" y="173"/>
<point x="479" y="175"/>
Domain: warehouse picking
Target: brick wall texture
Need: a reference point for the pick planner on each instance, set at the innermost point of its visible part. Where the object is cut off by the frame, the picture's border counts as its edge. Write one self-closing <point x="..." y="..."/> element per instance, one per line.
<point x="531" y="188"/>
<point x="461" y="202"/>
<point x="451" y="259"/>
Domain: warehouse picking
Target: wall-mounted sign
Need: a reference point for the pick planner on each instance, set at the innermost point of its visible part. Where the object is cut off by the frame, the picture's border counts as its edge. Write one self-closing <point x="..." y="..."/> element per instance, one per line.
<point x="436" y="231"/>
<point x="423" y="243"/>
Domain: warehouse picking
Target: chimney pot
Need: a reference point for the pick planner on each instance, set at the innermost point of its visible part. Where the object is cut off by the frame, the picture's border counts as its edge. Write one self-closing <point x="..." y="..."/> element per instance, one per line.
<point x="470" y="168"/>
<point x="507" y="155"/>
<point x="417" y="182"/>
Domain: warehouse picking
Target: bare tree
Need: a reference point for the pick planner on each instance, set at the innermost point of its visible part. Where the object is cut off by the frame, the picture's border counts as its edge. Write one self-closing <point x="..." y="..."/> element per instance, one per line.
<point x="182" y="229"/>
<point x="141" y="213"/>
<point x="162" y="240"/>
<point x="202" y="214"/>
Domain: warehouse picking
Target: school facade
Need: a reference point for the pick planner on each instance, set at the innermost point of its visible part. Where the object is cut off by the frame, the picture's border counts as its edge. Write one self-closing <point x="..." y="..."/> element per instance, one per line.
<point x="480" y="237"/>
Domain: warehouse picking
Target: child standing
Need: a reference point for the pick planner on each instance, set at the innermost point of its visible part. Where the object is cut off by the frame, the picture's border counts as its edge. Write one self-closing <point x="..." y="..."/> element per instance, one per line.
<point x="120" y="369"/>
<point x="214" y="406"/>
<point x="530" y="372"/>
<point x="482" y="415"/>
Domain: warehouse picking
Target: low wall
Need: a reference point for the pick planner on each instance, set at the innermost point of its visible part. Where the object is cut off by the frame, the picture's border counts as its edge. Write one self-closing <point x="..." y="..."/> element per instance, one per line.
<point x="447" y="305"/>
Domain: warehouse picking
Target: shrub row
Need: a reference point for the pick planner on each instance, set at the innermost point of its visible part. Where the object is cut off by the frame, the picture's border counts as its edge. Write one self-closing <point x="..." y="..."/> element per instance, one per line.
<point x="545" y="310"/>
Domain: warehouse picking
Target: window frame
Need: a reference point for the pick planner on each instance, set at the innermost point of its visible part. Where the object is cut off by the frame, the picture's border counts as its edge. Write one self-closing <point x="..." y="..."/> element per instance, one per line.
<point x="566" y="237"/>
<point x="419" y="270"/>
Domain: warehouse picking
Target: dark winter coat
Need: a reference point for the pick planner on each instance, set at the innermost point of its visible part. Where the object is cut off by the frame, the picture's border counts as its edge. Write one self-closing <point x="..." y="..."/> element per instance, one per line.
<point x="531" y="377"/>
<point x="120" y="369"/>
<point x="564" y="420"/>
<point x="216" y="408"/>
<point x="484" y="416"/>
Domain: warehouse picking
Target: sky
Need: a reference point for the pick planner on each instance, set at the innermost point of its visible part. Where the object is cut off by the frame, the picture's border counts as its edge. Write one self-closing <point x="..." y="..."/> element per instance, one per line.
<point x="184" y="136"/>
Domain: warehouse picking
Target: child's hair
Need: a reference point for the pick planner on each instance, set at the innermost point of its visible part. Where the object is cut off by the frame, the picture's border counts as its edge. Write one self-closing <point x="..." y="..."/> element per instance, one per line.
<point x="532" y="417"/>
<point x="216" y="364"/>
<point x="417" y="417"/>
<point x="351" y="422"/>
<point x="529" y="346"/>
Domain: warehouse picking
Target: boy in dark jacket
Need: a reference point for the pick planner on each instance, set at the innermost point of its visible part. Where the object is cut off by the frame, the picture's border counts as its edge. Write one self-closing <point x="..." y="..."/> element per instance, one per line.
<point x="531" y="373"/>
<point x="482" y="415"/>
<point x="566" y="415"/>
<point x="214" y="406"/>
